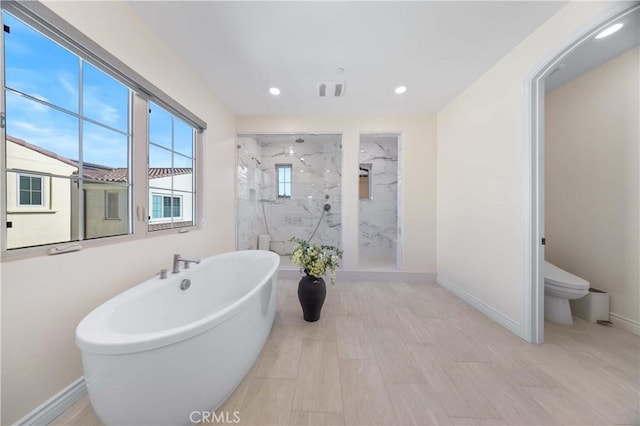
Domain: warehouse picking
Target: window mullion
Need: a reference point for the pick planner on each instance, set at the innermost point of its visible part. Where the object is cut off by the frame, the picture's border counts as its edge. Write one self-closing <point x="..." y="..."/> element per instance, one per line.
<point x="81" y="195"/>
<point x="140" y="166"/>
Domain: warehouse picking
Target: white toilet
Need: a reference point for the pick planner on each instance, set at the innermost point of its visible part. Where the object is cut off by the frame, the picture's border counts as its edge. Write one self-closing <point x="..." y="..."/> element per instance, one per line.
<point x="561" y="286"/>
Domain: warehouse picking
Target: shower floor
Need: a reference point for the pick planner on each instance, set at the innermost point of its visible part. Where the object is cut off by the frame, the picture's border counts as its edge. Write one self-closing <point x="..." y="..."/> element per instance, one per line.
<point x="377" y="263"/>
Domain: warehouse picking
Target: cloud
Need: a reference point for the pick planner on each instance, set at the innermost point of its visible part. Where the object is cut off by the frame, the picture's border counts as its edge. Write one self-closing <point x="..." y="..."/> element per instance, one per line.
<point x="71" y="89"/>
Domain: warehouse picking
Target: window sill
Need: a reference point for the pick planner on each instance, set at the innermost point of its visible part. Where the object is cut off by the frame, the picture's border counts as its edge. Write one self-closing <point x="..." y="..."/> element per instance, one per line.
<point x="35" y="210"/>
<point x="42" y="251"/>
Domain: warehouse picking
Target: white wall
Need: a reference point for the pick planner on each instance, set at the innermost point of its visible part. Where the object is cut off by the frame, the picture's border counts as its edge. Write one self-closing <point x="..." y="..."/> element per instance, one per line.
<point x="592" y="133"/>
<point x="44" y="298"/>
<point x="418" y="164"/>
<point x="482" y="145"/>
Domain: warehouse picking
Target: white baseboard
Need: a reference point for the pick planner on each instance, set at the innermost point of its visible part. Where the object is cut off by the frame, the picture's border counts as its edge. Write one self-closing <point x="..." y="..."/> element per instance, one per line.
<point x="625" y="323"/>
<point x="428" y="277"/>
<point x="56" y="405"/>
<point x="489" y="311"/>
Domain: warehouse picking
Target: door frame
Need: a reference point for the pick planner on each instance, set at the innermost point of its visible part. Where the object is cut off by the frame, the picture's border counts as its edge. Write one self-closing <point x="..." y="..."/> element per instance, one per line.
<point x="534" y="171"/>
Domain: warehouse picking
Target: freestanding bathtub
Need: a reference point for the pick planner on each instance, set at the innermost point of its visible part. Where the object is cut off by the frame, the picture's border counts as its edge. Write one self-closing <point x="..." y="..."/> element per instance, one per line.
<point x="157" y="354"/>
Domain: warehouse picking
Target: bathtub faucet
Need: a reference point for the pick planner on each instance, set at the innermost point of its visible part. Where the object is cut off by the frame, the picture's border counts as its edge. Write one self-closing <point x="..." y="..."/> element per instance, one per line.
<point x="176" y="262"/>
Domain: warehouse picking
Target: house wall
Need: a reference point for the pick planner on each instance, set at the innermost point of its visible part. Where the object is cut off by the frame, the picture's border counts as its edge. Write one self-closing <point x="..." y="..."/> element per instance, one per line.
<point x="96" y="223"/>
<point x="44" y="297"/>
<point x="182" y="186"/>
<point x="418" y="165"/>
<point x="482" y="161"/>
<point x="38" y="225"/>
<point x="591" y="185"/>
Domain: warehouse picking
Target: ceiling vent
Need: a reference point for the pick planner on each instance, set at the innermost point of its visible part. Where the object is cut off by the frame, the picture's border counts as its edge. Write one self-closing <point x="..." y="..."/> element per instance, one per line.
<point x="331" y="89"/>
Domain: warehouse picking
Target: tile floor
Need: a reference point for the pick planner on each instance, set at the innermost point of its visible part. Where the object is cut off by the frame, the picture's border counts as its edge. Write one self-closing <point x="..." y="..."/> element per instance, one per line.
<point x="414" y="354"/>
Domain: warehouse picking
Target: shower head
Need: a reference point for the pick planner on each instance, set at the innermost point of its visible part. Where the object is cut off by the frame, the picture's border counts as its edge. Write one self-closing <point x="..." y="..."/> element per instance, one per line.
<point x="299" y="140"/>
<point x="256" y="160"/>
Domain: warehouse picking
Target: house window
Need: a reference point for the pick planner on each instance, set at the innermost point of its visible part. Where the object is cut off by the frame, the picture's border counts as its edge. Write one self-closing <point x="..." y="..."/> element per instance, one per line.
<point x="283" y="174"/>
<point x="166" y="207"/>
<point x="171" y="170"/>
<point x="112" y="205"/>
<point x="70" y="108"/>
<point x="30" y="191"/>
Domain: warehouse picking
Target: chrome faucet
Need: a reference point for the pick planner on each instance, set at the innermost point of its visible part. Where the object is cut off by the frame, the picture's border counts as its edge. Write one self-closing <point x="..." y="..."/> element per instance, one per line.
<point x="176" y="263"/>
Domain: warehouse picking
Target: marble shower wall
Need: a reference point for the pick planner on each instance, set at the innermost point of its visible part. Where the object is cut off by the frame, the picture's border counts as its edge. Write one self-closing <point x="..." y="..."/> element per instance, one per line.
<point x="250" y="178"/>
<point x="378" y="216"/>
<point x="316" y="176"/>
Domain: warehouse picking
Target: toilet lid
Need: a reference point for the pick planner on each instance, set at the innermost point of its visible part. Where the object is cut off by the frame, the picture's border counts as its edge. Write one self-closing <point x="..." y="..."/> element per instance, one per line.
<point x="562" y="278"/>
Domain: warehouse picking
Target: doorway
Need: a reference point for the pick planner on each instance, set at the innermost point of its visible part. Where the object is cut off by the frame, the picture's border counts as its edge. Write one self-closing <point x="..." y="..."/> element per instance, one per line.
<point x="379" y="201"/>
<point x="535" y="305"/>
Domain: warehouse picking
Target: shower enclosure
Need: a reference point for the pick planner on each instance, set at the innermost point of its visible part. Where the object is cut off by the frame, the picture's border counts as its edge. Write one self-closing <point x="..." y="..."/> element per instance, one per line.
<point x="288" y="186"/>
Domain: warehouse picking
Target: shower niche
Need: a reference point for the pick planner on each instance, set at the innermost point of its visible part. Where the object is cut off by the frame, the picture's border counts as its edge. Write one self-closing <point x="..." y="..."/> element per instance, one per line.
<point x="379" y="243"/>
<point x="288" y="185"/>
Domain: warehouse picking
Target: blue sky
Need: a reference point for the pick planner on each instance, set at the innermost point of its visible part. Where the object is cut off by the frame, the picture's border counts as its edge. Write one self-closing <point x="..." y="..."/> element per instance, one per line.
<point x="38" y="67"/>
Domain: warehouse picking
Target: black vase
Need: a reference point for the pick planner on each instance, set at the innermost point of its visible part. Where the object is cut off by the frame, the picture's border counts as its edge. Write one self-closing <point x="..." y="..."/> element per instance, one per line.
<point x="311" y="293"/>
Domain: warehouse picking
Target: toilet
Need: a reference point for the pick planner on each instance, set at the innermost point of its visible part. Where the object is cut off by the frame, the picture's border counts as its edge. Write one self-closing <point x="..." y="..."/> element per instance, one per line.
<point x="561" y="286"/>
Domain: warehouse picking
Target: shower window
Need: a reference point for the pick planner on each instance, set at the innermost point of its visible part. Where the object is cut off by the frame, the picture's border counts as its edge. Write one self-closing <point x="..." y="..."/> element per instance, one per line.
<point x="283" y="172"/>
<point x="365" y="181"/>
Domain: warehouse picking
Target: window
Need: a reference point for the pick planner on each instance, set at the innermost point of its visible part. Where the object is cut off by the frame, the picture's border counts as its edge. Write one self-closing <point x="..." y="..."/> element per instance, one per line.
<point x="112" y="205"/>
<point x="166" y="207"/>
<point x="171" y="170"/>
<point x="365" y="181"/>
<point x="283" y="174"/>
<point x="68" y="121"/>
<point x="30" y="191"/>
<point x="68" y="140"/>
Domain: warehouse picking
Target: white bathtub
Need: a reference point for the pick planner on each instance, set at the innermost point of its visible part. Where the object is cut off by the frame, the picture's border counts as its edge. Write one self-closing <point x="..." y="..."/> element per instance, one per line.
<point x="157" y="354"/>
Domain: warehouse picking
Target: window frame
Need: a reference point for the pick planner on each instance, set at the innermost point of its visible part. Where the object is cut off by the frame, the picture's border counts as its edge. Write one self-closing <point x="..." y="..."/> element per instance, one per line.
<point x="369" y="168"/>
<point x="171" y="204"/>
<point x="50" y="25"/>
<point x="289" y="167"/>
<point x="107" y="205"/>
<point x="43" y="202"/>
<point x="168" y="222"/>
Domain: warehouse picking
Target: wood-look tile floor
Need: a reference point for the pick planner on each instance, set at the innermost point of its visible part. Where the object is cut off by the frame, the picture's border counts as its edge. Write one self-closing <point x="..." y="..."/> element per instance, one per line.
<point x="413" y="354"/>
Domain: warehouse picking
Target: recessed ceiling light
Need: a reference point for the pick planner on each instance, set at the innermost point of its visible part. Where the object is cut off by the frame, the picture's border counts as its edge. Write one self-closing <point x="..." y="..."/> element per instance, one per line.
<point x="274" y="91"/>
<point x="401" y="89"/>
<point x="609" y="30"/>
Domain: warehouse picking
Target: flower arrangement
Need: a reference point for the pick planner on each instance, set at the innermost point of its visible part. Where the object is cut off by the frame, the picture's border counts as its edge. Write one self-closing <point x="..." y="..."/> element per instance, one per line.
<point x="316" y="260"/>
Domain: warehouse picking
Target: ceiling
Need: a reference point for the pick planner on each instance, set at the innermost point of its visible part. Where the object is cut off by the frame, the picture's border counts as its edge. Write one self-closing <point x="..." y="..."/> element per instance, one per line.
<point x="594" y="52"/>
<point x="290" y="139"/>
<point x="435" y="48"/>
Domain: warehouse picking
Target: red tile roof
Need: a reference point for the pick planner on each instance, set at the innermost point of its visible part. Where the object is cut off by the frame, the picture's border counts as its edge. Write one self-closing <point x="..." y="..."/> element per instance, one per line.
<point x="97" y="172"/>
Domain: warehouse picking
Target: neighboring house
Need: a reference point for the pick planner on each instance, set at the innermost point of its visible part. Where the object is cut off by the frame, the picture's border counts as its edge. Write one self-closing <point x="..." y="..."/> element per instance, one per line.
<point x="38" y="205"/>
<point x="167" y="208"/>
<point x="43" y="197"/>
